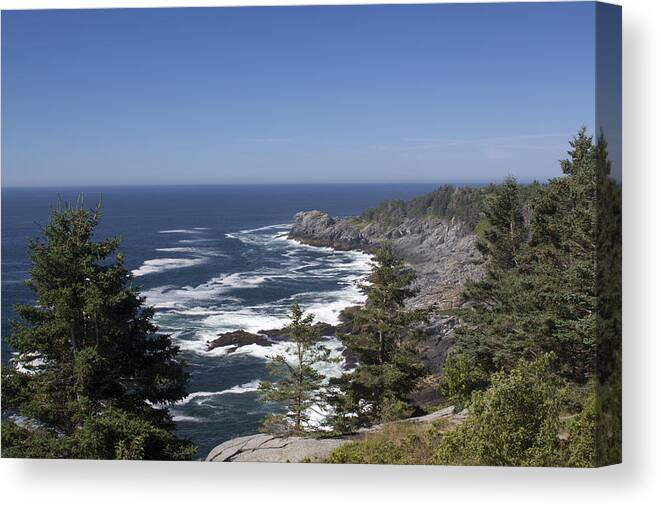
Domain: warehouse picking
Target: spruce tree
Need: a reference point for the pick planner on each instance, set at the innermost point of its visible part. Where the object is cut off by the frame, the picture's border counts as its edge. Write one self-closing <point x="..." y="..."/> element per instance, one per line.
<point x="545" y="300"/>
<point x="91" y="377"/>
<point x="298" y="385"/>
<point x="383" y="342"/>
<point x="505" y="234"/>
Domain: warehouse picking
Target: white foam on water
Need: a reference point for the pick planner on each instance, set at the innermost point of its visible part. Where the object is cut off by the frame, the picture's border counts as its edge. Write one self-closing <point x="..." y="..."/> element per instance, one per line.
<point x="152" y="266"/>
<point x="168" y="296"/>
<point x="251" y="320"/>
<point x="200" y="313"/>
<point x="179" y="417"/>
<point x="196" y="251"/>
<point x="194" y="230"/>
<point x="330" y="369"/>
<point x="248" y="387"/>
<point x="177" y="249"/>
<point x="266" y="228"/>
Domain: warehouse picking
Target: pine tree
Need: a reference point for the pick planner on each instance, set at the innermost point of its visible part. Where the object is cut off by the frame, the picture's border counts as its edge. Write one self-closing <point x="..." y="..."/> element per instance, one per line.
<point x="91" y="375"/>
<point x="545" y="299"/>
<point x="505" y="233"/>
<point x="298" y="385"/>
<point x="388" y="364"/>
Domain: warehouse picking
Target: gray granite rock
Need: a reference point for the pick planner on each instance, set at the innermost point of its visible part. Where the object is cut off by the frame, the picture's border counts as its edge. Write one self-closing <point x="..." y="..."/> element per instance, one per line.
<point x="443" y="253"/>
<point x="272" y="449"/>
<point x="275" y="449"/>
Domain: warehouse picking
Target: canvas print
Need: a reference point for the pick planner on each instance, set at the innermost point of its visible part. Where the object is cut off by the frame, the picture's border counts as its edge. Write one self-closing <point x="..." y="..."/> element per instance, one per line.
<point x="384" y="234"/>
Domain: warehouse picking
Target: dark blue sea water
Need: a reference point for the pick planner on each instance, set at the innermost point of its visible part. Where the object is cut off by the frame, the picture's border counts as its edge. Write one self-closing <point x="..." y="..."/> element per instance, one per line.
<point x="211" y="259"/>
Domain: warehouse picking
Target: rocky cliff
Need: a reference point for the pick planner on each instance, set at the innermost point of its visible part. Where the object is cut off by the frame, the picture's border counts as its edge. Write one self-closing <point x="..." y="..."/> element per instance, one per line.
<point x="443" y="252"/>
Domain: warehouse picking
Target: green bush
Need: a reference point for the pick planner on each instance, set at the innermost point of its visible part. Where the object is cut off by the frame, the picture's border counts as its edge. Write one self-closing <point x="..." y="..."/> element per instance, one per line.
<point x="397" y="444"/>
<point x="461" y="377"/>
<point x="580" y="448"/>
<point x="513" y="423"/>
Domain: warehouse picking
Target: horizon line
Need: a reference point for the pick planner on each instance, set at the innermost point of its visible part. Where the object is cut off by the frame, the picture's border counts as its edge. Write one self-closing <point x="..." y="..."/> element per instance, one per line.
<point x="270" y="184"/>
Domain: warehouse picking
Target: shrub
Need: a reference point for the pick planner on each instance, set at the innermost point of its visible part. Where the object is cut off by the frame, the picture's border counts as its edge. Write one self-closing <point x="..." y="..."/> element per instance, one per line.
<point x="397" y="444"/>
<point x="513" y="423"/>
<point x="461" y="377"/>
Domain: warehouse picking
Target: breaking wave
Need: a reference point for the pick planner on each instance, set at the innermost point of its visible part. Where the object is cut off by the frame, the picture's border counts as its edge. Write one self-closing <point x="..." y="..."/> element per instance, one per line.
<point x="202" y="396"/>
<point x="152" y="266"/>
<point x="253" y="277"/>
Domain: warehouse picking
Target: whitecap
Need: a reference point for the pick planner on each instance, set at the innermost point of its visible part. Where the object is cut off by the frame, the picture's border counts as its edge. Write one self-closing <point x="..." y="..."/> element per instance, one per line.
<point x="180" y="231"/>
<point x="179" y="417"/>
<point x="152" y="266"/>
<point x="248" y="387"/>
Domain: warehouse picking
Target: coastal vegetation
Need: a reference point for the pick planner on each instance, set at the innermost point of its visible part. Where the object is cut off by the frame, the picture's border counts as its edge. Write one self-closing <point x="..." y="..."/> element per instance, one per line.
<point x="298" y="386"/>
<point x="536" y="358"/>
<point x="91" y="375"/>
<point x="383" y="340"/>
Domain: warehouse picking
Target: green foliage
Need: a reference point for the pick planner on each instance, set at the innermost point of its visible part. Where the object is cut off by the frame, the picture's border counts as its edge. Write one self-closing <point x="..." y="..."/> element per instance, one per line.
<point x="92" y="375"/>
<point x="396" y="444"/>
<point x="517" y="421"/>
<point x="388" y="364"/>
<point x="504" y="233"/>
<point x="513" y="423"/>
<point x="540" y="292"/>
<point x="581" y="446"/>
<point x="461" y="377"/>
<point x="462" y="203"/>
<point x="609" y="316"/>
<point x="544" y="321"/>
<point x="299" y="384"/>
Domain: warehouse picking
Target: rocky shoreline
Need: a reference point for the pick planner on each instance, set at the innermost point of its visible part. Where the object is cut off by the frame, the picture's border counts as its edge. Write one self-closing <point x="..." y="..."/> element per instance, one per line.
<point x="443" y="253"/>
<point x="233" y="340"/>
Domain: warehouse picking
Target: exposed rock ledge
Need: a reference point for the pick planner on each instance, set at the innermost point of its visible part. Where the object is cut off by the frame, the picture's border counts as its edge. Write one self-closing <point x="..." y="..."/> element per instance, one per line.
<point x="274" y="449"/>
<point x="443" y="253"/>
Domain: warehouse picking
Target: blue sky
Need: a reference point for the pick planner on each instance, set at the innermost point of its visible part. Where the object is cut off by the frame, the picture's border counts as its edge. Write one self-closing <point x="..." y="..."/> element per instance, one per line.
<point x="430" y="93"/>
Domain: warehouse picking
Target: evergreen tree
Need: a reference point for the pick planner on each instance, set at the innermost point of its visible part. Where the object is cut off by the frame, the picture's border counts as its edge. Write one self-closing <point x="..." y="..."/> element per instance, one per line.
<point x="299" y="384"/>
<point x="505" y="233"/>
<point x="388" y="364"/>
<point x="545" y="299"/>
<point x="609" y="317"/>
<point x="91" y="375"/>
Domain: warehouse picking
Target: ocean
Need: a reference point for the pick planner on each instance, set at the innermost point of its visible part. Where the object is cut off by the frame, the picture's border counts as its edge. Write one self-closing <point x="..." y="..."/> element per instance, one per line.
<point x="212" y="259"/>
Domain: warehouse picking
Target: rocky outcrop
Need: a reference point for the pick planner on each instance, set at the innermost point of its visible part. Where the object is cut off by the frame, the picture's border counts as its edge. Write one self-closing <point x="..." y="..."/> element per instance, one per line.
<point x="321" y="329"/>
<point x="236" y="339"/>
<point x="272" y="449"/>
<point x="232" y="340"/>
<point x="443" y="253"/>
<point x="281" y="449"/>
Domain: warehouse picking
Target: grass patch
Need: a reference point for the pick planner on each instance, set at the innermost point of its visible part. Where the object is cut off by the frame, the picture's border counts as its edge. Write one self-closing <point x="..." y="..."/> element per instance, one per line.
<point x="397" y="444"/>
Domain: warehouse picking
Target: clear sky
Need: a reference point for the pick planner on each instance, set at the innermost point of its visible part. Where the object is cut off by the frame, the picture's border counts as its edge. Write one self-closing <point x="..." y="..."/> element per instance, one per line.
<point x="430" y="93"/>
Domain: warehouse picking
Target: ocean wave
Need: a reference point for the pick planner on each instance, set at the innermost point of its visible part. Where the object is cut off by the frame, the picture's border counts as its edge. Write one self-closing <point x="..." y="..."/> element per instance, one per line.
<point x="168" y="296"/>
<point x="248" y="387"/>
<point x="198" y="314"/>
<point x="286" y="349"/>
<point x="180" y="417"/>
<point x="152" y="266"/>
<point x="194" y="230"/>
<point x="194" y="251"/>
<point x="196" y="240"/>
<point x="267" y="228"/>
